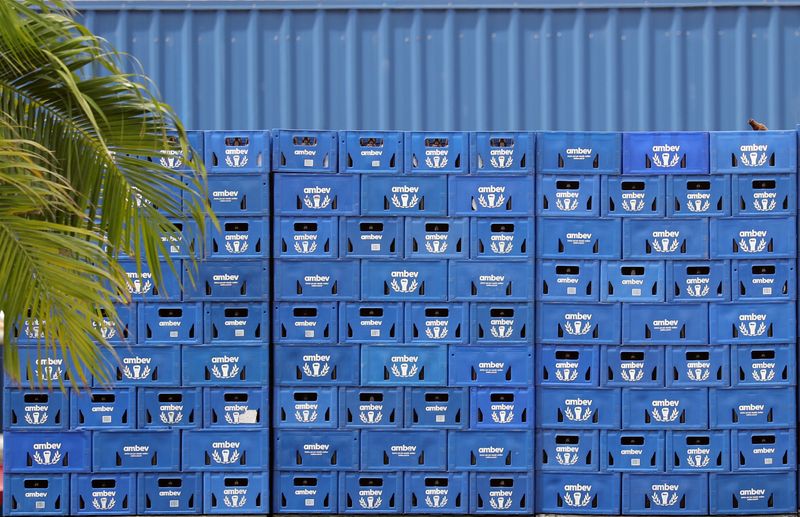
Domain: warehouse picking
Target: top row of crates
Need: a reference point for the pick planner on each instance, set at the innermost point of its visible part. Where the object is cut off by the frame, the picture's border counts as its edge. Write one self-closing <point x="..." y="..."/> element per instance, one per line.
<point x="734" y="152"/>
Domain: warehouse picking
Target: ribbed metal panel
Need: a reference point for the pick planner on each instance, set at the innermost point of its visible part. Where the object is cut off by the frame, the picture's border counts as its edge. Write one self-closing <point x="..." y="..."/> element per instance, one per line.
<point x="606" y="65"/>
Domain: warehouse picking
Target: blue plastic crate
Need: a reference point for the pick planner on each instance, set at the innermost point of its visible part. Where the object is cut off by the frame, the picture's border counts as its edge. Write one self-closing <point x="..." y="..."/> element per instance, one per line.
<point x="371" y="408"/>
<point x="593" y="239"/>
<point x="568" y="280"/>
<point x="664" y="494"/>
<point x="578" y="493"/>
<point x="437" y="408"/>
<point x="316" y="195"/>
<point x="698" y="451"/>
<point x="437" y="238"/>
<point x="403" y="450"/>
<point x="176" y="160"/>
<point x="306" y="238"/>
<point x="575" y="408"/>
<point x="136" y="451"/>
<point x="403" y="196"/>
<point x="568" y="450"/>
<point x="579" y="152"/>
<point x="304" y="151"/>
<point x="698" y="196"/>
<point x="312" y="450"/>
<point x="507" y="153"/>
<point x="753" y="238"/>
<point x="239" y="238"/>
<point x="50" y="452"/>
<point x="631" y="196"/>
<point x="766" y="280"/>
<point x="437" y="323"/>
<point x="46" y="367"/>
<point x="763" y="365"/>
<point x="756" y="323"/>
<point x="752" y="493"/>
<point x="682" y="152"/>
<point x="665" y="324"/>
<point x="507" y="366"/>
<point x="666" y="239"/>
<point x="632" y="366"/>
<point x="122" y="330"/>
<point x="235" y="408"/>
<point x="231" y="322"/>
<point x="664" y="409"/>
<point x="501" y="493"/>
<point x="578" y="323"/>
<point x="304" y="323"/>
<point x="764" y="450"/>
<point x="103" y="494"/>
<point x="239" y="365"/>
<point x="305" y="492"/>
<point x="35" y="410"/>
<point x="627" y="281"/>
<point x="762" y="195"/>
<point x="697" y="366"/>
<point x="208" y="450"/>
<point x="744" y="152"/>
<point x="632" y="451"/>
<point x="170" y="494"/>
<point x="490" y="451"/>
<point x="371" y="237"/>
<point x="169" y="408"/>
<point x="241" y="492"/>
<point x="371" y="151"/>
<point x="752" y="408"/>
<point x="567" y="365"/>
<point x="502" y="238"/>
<point x="491" y="280"/>
<point x="103" y="409"/>
<point x="142" y="285"/>
<point x="239" y="194"/>
<point x="225" y="280"/>
<point x="363" y="493"/>
<point x="436" y="153"/>
<point x="316" y="365"/>
<point x="699" y="281"/>
<point x="316" y="280"/>
<point x="501" y="408"/>
<point x="143" y="366"/>
<point x="183" y="244"/>
<point x="403" y="365"/>
<point x="364" y="322"/>
<point x="306" y="408"/>
<point x="36" y="495"/>
<point x="237" y="152"/>
<point x="168" y="324"/>
<point x="568" y="195"/>
<point x="436" y="493"/>
<point x="495" y="196"/>
<point x="407" y="280"/>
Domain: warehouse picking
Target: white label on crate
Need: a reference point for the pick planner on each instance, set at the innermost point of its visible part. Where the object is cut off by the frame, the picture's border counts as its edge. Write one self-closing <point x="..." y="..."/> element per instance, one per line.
<point x="308" y="162"/>
<point x="375" y="247"/>
<point x="376" y="163"/>
<point x="767" y="291"/>
<point x="238" y="332"/>
<point x="174" y="503"/>
<point x="40" y="505"/>
<point x="309" y="502"/>
<point x="173" y="333"/>
<point x="440" y="419"/>
<point x="106" y="419"/>
<point x="636" y="292"/>
<point x="375" y="332"/>
<point x="572" y="290"/>
<point x="309" y="333"/>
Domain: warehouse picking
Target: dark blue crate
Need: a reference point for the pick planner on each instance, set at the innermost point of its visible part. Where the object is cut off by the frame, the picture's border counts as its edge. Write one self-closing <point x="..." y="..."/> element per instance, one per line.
<point x="698" y="451"/>
<point x="237" y="152"/>
<point x="364" y="322"/>
<point x="403" y="450"/>
<point x="175" y="159"/>
<point x="239" y="238"/>
<point x="136" y="451"/>
<point x="627" y="281"/>
<point x="239" y="365"/>
<point x="41" y="367"/>
<point x="579" y="152"/>
<point x="316" y="195"/>
<point x="766" y="280"/>
<point x="753" y="238"/>
<point x="103" y="409"/>
<point x="436" y="153"/>
<point x="501" y="408"/>
<point x="436" y="493"/>
<point x="51" y="452"/>
<point x="362" y="493"/>
<point x="487" y="451"/>
<point x="142" y="285"/>
<point x="235" y="408"/>
<point x="403" y="196"/>
<point x="752" y="408"/>
<point x="632" y="451"/>
<point x="316" y="365"/>
<point x="491" y="280"/>
<point x="560" y="323"/>
<point x="568" y="280"/>
<point x="574" y="408"/>
<point x="697" y="366"/>
<point x="435" y="323"/>
<point x="698" y="196"/>
<point x="568" y="195"/>
<point x="371" y="151"/>
<point x="744" y="152"/>
<point x="208" y="450"/>
<point x="35" y="410"/>
<point x="225" y="280"/>
<point x="371" y="237"/>
<point x="632" y="366"/>
<point x="631" y="196"/>
<point x="316" y="280"/>
<point x="664" y="494"/>
<point x="567" y="365"/>
<point x="568" y="451"/>
<point x="103" y="494"/>
<point x="664" y="409"/>
<point x="306" y="408"/>
<point x="437" y="238"/>
<point x="304" y="323"/>
<point x="305" y="492"/>
<point x="501" y="493"/>
<point x="36" y="495"/>
<point x="665" y="324"/>
<point x="403" y="365"/>
<point x="764" y="450"/>
<point x="762" y="195"/>
<point x="241" y="492"/>
<point x="578" y="493"/>
<point x="371" y="408"/>
<point x="407" y="280"/>
<point x="143" y="366"/>
<point x="665" y="239"/>
<point x="682" y="152"/>
<point x="593" y="239"/>
<point x="170" y="494"/>
<point x="507" y="366"/>
<point x="169" y="408"/>
<point x="312" y="450"/>
<point x="763" y="365"/>
<point x="698" y="281"/>
<point x="238" y="194"/>
<point x="502" y="238"/>
<point x="754" y="494"/>
<point x="496" y="196"/>
<point x="507" y="153"/>
<point x="756" y="323"/>
<point x="231" y="322"/>
<point x="304" y="151"/>
<point x="436" y="408"/>
<point x="306" y="238"/>
<point x="171" y="324"/>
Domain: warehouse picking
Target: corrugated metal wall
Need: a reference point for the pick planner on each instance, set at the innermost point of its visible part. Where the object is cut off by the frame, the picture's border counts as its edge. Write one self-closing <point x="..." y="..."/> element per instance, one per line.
<point x="282" y="64"/>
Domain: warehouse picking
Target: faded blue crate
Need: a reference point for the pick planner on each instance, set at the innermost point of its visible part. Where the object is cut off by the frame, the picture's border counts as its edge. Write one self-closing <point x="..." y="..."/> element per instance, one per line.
<point x="753" y="238"/>
<point x="225" y="451"/>
<point x="436" y="153"/>
<point x="568" y="450"/>
<point x="629" y="366"/>
<point x="575" y="408"/>
<point x="103" y="409"/>
<point x="235" y="408"/>
<point x="507" y="153"/>
<point x="403" y="365"/>
<point x="436" y="492"/>
<point x="752" y="493"/>
<point x="364" y="322"/>
<point x="437" y="408"/>
<point x="502" y="238"/>
<point x="437" y="238"/>
<point x="631" y="196"/>
<point x="312" y="450"/>
<point x="35" y="410"/>
<point x="143" y="366"/>
<point x="762" y="195"/>
<point x="437" y="323"/>
<point x="305" y="492"/>
<point x="225" y="280"/>
<point x="568" y="195"/>
<point x="231" y="493"/>
<point x="766" y="280"/>
<point x="752" y="408"/>
<point x="501" y="408"/>
<point x="304" y="323"/>
<point x="664" y="409"/>
<point x="593" y="239"/>
<point x="559" y="323"/>
<point x="306" y="408"/>
<point x="698" y="281"/>
<point x="371" y="151"/>
<point x="239" y="365"/>
<point x="316" y="280"/>
<point x="374" y="408"/>
<point x="491" y="280"/>
<point x="362" y="493"/>
<point x="764" y="450"/>
<point x="578" y="493"/>
<point x="136" y="451"/>
<point x="756" y="323"/>
<point x="567" y="365"/>
<point x="371" y="237"/>
<point x="170" y="494"/>
<point x="306" y="238"/>
<point x="36" y="495"/>
<point x="167" y="324"/>
<point x="580" y="152"/>
<point x="239" y="238"/>
<point x="403" y="196"/>
<point x="304" y="151"/>
<point x="50" y="452"/>
<point x="632" y="451"/>
<point x="682" y="152"/>
<point x="490" y="451"/>
<point x="45" y="368"/>
<point x="627" y="281"/>
<point x="404" y="280"/>
<point x="316" y="365"/>
<point x="501" y="493"/>
<point x="665" y="239"/>
<point x="698" y="196"/>
<point x="507" y="366"/>
<point x="744" y="152"/>
<point x="169" y="408"/>
<point x="232" y="322"/>
<point x="665" y="324"/>
<point x="763" y="365"/>
<point x="316" y="195"/>
<point x="403" y="450"/>
<point x="698" y="451"/>
<point x="237" y="152"/>
<point x="232" y="195"/>
<point x="496" y="196"/>
<point x="103" y="494"/>
<point x="697" y="366"/>
<point x="664" y="494"/>
<point x="568" y="280"/>
<point x="142" y="285"/>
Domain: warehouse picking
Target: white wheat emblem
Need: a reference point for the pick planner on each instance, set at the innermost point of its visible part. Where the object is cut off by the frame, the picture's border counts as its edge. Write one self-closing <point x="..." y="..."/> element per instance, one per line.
<point x="226" y="456"/>
<point x="753" y="159"/>
<point x="305" y="247"/>
<point x="137" y="372"/>
<point x="567" y="458"/>
<point x="46" y="457"/>
<point x="697" y="291"/>
<point x="632" y="375"/>
<point x="665" y="160"/>
<point x="501" y="503"/>
<point x="306" y="416"/>
<point x="753" y="245"/>
<point x="566" y="374"/>
<point x="766" y="205"/>
<point x="436" y="332"/>
<point x="698" y="461"/>
<point x="699" y="205"/>
<point x="502" y="417"/>
<point x="567" y="205"/>
<point x="501" y="162"/>
<point x="578" y="499"/>
<point x="763" y="375"/>
<point x="370" y="502"/>
<point x="225" y="372"/>
<point x="633" y="205"/>
<point x="49" y="373"/>
<point x="236" y="247"/>
<point x="664" y="498"/>
<point x="36" y="418"/>
<point x="491" y="200"/>
<point x="751" y="329"/>
<point x="236" y="161"/>
<point x="316" y="369"/>
<point x="436" y="501"/>
<point x="502" y="332"/>
<point x="665" y="415"/>
<point x="317" y="202"/>
<point x="171" y="417"/>
<point x="171" y="162"/>
<point x="103" y="503"/>
<point x="577" y="328"/>
<point x="436" y="246"/>
<point x="139" y="287"/>
<point x="698" y="374"/>
<point x="436" y="162"/>
<point x="405" y="201"/>
<point x="665" y="245"/>
<point x="404" y="370"/>
<point x="370" y="417"/>
<point x="404" y="286"/>
<point x="234" y="501"/>
<point x="578" y="413"/>
<point x="502" y="248"/>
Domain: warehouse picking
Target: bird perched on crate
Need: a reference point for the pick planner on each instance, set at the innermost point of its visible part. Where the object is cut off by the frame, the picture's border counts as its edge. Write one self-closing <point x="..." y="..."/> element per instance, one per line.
<point x="757" y="126"/>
